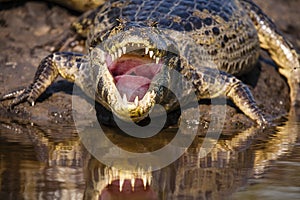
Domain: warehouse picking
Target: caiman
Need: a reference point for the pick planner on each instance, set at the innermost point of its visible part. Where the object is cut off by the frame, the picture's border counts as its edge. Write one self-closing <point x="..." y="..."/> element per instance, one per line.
<point x="134" y="46"/>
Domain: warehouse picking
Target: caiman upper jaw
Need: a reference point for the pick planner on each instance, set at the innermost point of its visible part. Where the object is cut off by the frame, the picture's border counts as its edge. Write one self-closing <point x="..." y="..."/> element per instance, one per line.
<point x="153" y="53"/>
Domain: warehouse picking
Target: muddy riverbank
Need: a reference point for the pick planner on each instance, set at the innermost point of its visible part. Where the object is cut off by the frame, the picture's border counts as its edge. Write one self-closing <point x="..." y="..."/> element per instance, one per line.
<point x="29" y="31"/>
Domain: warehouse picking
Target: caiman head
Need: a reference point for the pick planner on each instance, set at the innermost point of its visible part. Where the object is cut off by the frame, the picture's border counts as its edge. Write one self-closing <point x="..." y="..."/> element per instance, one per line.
<point x="132" y="68"/>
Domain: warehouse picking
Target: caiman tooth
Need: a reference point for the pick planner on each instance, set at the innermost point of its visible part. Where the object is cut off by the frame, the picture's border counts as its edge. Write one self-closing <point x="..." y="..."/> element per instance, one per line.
<point x="119" y="53"/>
<point x="152" y="93"/>
<point x="124" y="50"/>
<point x="157" y="60"/>
<point x="144" y="181"/>
<point x="132" y="184"/>
<point x="146" y="50"/>
<point x="112" y="57"/>
<point x="149" y="176"/>
<point x="109" y="180"/>
<point x="151" y="53"/>
<point x="121" y="183"/>
<point x="116" y="54"/>
<point x="125" y="99"/>
<point x="136" y="101"/>
<point x="149" y="179"/>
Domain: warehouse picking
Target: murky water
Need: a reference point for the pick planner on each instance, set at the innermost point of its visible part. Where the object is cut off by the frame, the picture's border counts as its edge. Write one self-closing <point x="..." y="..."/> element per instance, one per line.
<point x="38" y="162"/>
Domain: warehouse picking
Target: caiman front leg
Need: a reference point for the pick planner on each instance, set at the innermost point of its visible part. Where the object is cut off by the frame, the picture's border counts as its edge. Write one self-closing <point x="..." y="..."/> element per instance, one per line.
<point x="65" y="64"/>
<point x="211" y="83"/>
<point x="280" y="50"/>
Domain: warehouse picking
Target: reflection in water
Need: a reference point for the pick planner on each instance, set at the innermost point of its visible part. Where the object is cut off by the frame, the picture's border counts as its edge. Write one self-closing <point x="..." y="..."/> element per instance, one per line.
<point x="50" y="163"/>
<point x="220" y="173"/>
<point x="277" y="144"/>
<point x="40" y="163"/>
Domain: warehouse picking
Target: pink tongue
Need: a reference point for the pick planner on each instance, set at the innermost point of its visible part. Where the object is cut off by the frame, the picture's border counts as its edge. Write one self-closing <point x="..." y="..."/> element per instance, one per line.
<point x="132" y="86"/>
<point x="136" y="81"/>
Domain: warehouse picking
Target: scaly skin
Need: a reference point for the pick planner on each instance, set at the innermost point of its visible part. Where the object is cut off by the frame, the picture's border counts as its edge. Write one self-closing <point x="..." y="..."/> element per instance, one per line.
<point x="208" y="42"/>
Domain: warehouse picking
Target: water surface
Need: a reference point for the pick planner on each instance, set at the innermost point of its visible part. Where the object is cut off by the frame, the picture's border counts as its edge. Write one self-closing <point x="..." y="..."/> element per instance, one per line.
<point x="50" y="162"/>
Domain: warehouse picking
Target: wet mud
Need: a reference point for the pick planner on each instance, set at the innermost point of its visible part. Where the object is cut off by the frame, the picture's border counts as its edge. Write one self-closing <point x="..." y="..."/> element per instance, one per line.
<point x="29" y="30"/>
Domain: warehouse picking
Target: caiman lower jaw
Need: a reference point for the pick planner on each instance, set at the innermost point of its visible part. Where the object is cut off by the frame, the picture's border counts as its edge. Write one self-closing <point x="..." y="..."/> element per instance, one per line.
<point x="133" y="111"/>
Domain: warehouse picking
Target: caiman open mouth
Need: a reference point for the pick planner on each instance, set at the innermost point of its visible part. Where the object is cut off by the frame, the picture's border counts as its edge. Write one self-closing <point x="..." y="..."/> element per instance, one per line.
<point x="133" y="68"/>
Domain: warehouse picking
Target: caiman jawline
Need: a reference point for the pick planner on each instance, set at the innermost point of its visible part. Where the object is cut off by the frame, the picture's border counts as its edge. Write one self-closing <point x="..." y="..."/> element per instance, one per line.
<point x="133" y="71"/>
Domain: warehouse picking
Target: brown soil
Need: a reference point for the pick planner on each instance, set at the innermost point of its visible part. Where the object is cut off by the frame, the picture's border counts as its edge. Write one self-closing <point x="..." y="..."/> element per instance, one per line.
<point x="30" y="29"/>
